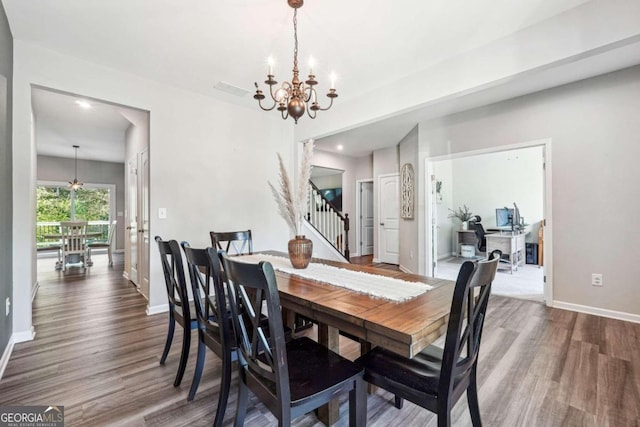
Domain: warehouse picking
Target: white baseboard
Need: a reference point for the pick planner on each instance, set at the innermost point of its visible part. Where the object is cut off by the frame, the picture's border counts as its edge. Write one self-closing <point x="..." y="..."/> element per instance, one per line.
<point x="375" y="259"/>
<point x="35" y="291"/>
<point x="404" y="269"/>
<point x="5" y="356"/>
<point x="620" y="315"/>
<point x="125" y="275"/>
<point x="157" y="309"/>
<point x="24" y="336"/>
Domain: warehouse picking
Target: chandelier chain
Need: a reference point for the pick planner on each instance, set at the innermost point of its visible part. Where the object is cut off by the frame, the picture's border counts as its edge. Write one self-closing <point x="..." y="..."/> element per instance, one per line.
<point x="295" y="38"/>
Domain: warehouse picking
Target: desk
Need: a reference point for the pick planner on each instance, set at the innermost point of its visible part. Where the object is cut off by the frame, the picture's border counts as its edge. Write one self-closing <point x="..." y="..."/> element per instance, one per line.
<point x="403" y="327"/>
<point x="511" y="244"/>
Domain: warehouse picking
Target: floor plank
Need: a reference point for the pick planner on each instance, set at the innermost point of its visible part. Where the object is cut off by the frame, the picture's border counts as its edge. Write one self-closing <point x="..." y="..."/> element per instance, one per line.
<point x="97" y="353"/>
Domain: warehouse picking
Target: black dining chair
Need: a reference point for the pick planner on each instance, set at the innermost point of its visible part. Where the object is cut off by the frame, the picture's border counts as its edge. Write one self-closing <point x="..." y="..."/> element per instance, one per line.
<point x="233" y="242"/>
<point x="436" y="378"/>
<point x="290" y="378"/>
<point x="178" y="297"/>
<point x="215" y="330"/>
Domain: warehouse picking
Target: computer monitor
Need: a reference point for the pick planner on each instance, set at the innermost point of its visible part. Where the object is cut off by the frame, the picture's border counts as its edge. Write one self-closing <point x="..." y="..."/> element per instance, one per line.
<point x="504" y="217"/>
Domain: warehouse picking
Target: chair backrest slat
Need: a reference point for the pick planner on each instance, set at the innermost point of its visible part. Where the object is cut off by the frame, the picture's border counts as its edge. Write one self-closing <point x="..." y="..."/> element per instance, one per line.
<point x="74" y="236"/>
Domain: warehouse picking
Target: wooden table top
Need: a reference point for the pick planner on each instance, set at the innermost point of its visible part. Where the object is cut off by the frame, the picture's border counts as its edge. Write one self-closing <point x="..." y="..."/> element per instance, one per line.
<point x="403" y="327"/>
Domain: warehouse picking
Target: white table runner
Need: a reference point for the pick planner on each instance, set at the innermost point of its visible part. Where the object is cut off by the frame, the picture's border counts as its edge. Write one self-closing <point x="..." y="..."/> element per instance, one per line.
<point x="387" y="288"/>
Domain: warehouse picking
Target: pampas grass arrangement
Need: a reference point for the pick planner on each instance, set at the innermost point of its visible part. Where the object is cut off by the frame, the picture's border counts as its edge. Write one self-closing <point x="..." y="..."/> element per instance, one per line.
<point x="292" y="202"/>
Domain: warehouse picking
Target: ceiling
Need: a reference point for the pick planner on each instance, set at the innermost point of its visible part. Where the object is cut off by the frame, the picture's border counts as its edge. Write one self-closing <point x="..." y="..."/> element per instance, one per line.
<point x="368" y="43"/>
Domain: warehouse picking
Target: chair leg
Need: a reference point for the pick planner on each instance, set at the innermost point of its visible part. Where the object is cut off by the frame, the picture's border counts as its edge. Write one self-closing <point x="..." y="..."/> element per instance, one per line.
<point x="472" y="398"/>
<point x="184" y="355"/>
<point x="398" y="402"/>
<point x="167" y="344"/>
<point x="110" y="257"/>
<point x="225" y="388"/>
<point x="358" y="404"/>
<point x="197" y="373"/>
<point x="444" y="415"/>
<point x="243" y="397"/>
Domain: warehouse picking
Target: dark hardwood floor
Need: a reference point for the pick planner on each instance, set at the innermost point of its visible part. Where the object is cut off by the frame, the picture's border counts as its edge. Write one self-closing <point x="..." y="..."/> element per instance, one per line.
<point x="97" y="353"/>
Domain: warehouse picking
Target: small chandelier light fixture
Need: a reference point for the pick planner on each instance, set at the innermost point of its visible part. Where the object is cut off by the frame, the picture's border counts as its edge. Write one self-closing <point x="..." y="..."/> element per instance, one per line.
<point x="76" y="185"/>
<point x="292" y="99"/>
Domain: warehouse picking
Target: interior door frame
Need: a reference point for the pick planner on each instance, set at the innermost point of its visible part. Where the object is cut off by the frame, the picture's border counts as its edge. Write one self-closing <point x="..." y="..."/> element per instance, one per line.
<point x="358" y="224"/>
<point x="546" y="201"/>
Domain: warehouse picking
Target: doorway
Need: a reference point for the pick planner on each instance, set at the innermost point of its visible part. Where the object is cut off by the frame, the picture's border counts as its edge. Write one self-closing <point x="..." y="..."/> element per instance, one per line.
<point x="487" y="182"/>
<point x="364" y="217"/>
<point x="107" y="134"/>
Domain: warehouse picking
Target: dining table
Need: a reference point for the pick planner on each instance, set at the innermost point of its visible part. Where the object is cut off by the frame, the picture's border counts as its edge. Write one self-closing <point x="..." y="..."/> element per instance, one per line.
<point x="404" y="327"/>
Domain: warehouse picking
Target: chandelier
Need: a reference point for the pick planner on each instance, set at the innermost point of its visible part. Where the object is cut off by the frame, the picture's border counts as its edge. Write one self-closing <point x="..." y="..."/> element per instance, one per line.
<point x="292" y="99"/>
<point x="75" y="184"/>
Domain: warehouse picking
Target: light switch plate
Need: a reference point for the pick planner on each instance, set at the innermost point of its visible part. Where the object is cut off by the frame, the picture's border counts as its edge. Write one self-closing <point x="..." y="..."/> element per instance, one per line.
<point x="162" y="213"/>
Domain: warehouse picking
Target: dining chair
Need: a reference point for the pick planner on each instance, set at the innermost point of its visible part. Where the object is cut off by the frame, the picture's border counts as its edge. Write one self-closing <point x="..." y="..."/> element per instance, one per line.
<point x="101" y="244"/>
<point x="234" y="242"/>
<point x="290" y="378"/>
<point x="74" y="241"/>
<point x="214" y="320"/>
<point x="179" y="308"/>
<point x="436" y="378"/>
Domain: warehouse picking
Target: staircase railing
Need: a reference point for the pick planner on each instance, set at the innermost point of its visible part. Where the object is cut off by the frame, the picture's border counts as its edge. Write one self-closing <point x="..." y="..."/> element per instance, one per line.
<point x="328" y="221"/>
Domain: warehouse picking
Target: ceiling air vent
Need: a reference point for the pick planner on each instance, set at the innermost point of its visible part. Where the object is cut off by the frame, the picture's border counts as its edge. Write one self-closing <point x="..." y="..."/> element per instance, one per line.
<point x="233" y="90"/>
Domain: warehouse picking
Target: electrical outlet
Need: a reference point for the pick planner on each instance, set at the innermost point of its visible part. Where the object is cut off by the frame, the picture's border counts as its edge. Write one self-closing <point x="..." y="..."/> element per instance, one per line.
<point x="162" y="213"/>
<point x="8" y="305"/>
<point x="596" y="279"/>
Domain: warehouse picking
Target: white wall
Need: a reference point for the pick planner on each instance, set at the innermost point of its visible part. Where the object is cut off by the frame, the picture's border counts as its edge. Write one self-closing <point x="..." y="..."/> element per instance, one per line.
<point x="89" y="171"/>
<point x="408" y="233"/>
<point x="592" y="28"/>
<point x="594" y="128"/>
<point x="443" y="171"/>
<point x="208" y="168"/>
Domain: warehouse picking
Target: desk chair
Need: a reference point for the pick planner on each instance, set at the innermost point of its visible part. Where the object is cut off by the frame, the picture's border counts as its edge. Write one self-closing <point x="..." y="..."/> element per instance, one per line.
<point x="482" y="241"/>
<point x="74" y="241"/>
<point x="214" y="320"/>
<point x="101" y="244"/>
<point x="290" y="378"/>
<point x="179" y="309"/>
<point x="436" y="378"/>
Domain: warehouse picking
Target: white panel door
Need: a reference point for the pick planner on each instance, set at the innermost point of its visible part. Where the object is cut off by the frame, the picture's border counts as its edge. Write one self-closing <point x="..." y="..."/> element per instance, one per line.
<point x="132" y="220"/>
<point x="389" y="218"/>
<point x="143" y="224"/>
<point x="366" y="218"/>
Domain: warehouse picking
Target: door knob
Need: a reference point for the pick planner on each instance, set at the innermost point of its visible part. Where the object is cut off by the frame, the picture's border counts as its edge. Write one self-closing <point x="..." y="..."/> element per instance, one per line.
<point x="382" y="223"/>
<point x="129" y="228"/>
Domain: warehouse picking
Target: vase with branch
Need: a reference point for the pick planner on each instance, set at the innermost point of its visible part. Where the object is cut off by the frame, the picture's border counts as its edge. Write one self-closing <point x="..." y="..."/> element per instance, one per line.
<point x="463" y="214"/>
<point x="293" y="204"/>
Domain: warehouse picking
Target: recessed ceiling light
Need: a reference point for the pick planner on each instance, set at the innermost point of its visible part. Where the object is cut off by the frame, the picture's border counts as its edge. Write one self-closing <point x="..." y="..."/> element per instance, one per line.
<point x="339" y="147"/>
<point x="83" y="104"/>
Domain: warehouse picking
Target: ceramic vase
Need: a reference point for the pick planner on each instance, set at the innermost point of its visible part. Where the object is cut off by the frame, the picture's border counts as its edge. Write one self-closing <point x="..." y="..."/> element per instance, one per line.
<point x="300" y="250"/>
